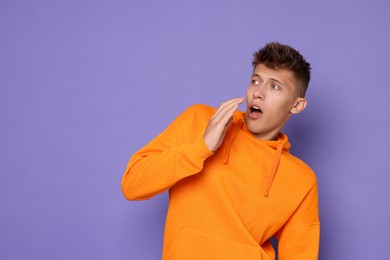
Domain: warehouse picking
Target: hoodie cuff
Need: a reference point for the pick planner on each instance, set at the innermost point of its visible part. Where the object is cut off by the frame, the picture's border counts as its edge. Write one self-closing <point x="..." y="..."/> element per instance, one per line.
<point x="201" y="150"/>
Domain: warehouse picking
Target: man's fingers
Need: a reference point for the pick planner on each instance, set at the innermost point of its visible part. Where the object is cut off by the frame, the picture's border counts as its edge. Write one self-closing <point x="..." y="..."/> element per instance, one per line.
<point x="227" y="114"/>
<point x="228" y="103"/>
<point x="218" y="123"/>
<point x="226" y="107"/>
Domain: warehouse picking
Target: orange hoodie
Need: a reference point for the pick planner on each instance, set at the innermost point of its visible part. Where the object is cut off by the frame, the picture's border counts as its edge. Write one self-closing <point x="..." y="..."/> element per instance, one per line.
<point x="227" y="204"/>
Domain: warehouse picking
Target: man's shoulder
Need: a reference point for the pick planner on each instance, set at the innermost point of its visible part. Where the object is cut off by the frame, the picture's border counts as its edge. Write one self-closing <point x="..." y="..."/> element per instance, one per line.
<point x="302" y="168"/>
<point x="201" y="108"/>
<point x="194" y="115"/>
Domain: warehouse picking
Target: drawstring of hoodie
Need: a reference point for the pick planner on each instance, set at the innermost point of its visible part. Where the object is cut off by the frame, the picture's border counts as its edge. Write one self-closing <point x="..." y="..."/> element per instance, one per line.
<point x="230" y="140"/>
<point x="279" y="149"/>
<point x="274" y="168"/>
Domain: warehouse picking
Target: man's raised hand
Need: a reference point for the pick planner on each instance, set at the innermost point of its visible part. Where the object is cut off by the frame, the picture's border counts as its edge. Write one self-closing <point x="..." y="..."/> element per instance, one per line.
<point x="216" y="129"/>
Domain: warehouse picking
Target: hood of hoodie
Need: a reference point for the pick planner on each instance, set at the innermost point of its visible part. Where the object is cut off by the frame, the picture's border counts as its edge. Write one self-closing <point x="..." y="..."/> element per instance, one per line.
<point x="280" y="145"/>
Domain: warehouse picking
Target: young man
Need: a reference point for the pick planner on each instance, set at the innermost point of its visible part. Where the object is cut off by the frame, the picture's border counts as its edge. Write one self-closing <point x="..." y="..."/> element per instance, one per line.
<point x="232" y="182"/>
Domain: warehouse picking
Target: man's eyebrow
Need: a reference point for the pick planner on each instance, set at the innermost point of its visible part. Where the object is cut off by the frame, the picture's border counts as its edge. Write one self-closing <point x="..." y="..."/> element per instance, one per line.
<point x="277" y="81"/>
<point x="273" y="79"/>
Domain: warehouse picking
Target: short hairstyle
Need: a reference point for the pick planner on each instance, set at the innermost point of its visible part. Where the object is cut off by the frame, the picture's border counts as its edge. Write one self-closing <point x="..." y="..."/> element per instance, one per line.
<point x="279" y="56"/>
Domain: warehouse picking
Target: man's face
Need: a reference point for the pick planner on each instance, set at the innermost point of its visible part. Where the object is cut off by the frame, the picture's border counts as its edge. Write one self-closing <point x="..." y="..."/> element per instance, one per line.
<point x="271" y="98"/>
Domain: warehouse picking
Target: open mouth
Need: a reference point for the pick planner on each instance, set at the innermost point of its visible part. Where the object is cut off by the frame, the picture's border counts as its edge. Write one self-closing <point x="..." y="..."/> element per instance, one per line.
<point x="256" y="109"/>
<point x="254" y="112"/>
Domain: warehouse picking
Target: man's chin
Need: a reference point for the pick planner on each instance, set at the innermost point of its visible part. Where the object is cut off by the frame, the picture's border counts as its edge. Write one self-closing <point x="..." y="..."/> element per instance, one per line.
<point x="253" y="128"/>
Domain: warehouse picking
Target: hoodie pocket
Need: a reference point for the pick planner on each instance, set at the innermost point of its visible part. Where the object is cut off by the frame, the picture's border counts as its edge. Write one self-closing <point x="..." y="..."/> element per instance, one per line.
<point x="193" y="244"/>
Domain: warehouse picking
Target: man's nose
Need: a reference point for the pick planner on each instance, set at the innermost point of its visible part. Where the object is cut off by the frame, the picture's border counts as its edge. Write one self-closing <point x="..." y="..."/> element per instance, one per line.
<point x="259" y="92"/>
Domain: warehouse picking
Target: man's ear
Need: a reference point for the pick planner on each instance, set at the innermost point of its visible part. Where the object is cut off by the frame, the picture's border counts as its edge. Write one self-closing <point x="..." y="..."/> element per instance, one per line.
<point x="299" y="106"/>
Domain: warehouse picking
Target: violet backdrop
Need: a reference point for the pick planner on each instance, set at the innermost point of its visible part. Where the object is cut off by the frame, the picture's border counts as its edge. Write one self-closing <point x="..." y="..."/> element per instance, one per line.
<point x="84" y="84"/>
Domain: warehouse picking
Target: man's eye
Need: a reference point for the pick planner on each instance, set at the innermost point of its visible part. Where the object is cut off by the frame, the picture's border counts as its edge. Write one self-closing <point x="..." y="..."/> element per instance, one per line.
<point x="254" y="82"/>
<point x="274" y="86"/>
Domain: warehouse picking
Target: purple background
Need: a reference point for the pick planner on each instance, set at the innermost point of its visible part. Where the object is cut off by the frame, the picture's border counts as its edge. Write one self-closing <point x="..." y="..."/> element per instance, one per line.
<point x="84" y="84"/>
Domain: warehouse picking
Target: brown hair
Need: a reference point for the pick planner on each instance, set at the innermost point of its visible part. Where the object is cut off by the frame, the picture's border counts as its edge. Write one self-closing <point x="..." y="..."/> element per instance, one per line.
<point x="279" y="56"/>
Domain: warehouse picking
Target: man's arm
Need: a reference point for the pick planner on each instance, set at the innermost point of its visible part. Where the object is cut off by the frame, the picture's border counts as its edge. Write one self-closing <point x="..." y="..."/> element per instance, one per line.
<point x="300" y="237"/>
<point x="176" y="153"/>
<point x="179" y="151"/>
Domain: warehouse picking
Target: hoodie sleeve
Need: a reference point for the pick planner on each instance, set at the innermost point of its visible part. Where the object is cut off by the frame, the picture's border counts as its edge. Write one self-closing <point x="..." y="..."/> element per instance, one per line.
<point x="179" y="151"/>
<point x="299" y="238"/>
